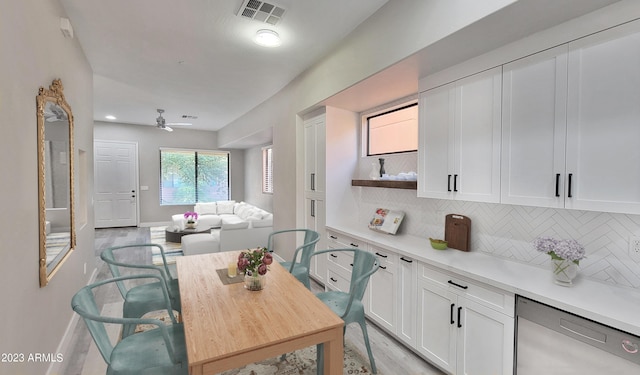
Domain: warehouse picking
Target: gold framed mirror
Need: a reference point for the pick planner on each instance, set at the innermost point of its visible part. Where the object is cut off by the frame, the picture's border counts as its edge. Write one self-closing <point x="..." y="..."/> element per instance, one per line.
<point x="55" y="180"/>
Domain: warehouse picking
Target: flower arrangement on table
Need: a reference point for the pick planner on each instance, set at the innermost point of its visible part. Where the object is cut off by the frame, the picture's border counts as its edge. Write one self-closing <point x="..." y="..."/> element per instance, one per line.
<point x="192" y="218"/>
<point x="565" y="256"/>
<point x="254" y="263"/>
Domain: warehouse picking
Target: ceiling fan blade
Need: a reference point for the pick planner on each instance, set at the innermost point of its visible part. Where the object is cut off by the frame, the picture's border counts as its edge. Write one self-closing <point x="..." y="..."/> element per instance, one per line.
<point x="179" y="123"/>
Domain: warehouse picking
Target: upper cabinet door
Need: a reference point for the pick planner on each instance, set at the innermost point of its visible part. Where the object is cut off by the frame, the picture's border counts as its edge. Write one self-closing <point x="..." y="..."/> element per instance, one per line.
<point x="603" y="121"/>
<point x="534" y="101"/>
<point x="459" y="149"/>
<point x="477" y="137"/>
<point x="435" y="147"/>
<point x="314" y="154"/>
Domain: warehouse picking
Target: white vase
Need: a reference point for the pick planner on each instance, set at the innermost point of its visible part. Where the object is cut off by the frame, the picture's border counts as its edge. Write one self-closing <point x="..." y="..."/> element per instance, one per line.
<point x="564" y="271"/>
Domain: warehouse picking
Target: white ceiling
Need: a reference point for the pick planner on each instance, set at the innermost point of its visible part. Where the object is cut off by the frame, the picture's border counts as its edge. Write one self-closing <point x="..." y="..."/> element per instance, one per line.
<point x="197" y="57"/>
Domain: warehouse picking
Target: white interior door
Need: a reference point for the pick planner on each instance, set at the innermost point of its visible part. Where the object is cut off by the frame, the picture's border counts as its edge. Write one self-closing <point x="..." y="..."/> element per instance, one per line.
<point x="116" y="192"/>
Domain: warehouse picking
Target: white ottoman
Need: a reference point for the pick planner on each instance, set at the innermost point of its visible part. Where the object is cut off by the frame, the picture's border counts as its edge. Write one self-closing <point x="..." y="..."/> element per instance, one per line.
<point x="200" y="243"/>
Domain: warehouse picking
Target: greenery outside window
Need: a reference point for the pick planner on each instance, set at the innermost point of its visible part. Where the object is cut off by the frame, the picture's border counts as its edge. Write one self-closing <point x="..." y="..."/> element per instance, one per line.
<point x="393" y="131"/>
<point x="191" y="176"/>
<point x="267" y="170"/>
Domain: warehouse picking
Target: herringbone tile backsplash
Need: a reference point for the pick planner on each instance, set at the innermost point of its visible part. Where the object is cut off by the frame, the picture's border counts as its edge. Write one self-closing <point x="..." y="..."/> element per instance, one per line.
<point x="507" y="231"/>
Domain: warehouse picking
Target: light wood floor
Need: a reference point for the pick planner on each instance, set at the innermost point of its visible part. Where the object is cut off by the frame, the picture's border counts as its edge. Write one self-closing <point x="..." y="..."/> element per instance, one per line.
<point x="392" y="358"/>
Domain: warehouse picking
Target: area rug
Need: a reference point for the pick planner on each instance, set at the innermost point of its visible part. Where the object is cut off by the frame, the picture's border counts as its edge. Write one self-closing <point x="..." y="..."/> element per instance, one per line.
<point x="303" y="362"/>
<point x="300" y="362"/>
<point x="171" y="249"/>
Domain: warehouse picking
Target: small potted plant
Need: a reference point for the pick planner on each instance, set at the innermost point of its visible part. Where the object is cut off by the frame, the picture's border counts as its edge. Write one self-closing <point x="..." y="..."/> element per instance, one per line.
<point x="255" y="264"/>
<point x="192" y="219"/>
<point x="565" y="257"/>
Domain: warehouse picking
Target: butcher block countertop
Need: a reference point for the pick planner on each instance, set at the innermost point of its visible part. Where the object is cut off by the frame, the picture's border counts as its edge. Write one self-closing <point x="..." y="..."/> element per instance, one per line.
<point x="615" y="306"/>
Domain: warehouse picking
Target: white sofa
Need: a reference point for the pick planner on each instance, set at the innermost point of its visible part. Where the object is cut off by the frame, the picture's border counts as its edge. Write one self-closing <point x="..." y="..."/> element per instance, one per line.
<point x="237" y="226"/>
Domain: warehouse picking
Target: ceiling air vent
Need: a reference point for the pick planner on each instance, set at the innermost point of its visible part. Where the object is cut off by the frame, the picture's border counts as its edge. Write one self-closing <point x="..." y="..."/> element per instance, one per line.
<point x="261" y="11"/>
<point x="190" y="117"/>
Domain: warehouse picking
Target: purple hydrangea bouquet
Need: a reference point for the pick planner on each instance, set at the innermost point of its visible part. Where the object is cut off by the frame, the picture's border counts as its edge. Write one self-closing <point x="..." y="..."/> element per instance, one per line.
<point x="560" y="249"/>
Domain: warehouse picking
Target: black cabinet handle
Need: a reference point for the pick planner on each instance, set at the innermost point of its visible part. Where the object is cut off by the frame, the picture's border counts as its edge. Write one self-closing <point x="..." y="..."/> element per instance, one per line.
<point x="313" y="208"/>
<point x="380" y="255"/>
<point x="354" y="245"/>
<point x="458" y="285"/>
<point x="569" y="190"/>
<point x="333" y="255"/>
<point x="459" y="323"/>
<point x="406" y="260"/>
<point x="383" y="267"/>
<point x="334" y="280"/>
<point x="313" y="181"/>
<point x="448" y="182"/>
<point x="455" y="182"/>
<point x="451" y="315"/>
<point x="557" y="184"/>
<point x="333" y="237"/>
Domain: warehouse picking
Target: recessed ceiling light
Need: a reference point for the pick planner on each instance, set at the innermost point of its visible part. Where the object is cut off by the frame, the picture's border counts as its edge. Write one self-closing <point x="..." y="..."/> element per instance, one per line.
<point x="110" y="117"/>
<point x="267" y="38"/>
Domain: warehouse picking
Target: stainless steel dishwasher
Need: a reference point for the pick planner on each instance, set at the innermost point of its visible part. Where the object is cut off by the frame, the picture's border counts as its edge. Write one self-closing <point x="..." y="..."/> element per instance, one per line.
<point x="553" y="342"/>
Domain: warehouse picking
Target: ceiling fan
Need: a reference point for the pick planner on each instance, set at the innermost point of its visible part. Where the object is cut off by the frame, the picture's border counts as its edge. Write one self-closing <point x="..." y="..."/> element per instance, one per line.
<point x="162" y="124"/>
<point x="53" y="112"/>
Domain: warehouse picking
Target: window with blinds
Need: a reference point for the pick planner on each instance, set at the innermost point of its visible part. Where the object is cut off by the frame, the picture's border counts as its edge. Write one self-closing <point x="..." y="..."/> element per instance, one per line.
<point x="267" y="170"/>
<point x="191" y="176"/>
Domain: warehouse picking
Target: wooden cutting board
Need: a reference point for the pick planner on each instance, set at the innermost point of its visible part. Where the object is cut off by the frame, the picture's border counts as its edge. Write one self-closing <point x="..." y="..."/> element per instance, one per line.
<point x="457" y="229"/>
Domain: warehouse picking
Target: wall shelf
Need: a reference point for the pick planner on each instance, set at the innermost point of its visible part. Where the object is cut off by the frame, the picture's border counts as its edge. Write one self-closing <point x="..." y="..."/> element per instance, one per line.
<point x="412" y="185"/>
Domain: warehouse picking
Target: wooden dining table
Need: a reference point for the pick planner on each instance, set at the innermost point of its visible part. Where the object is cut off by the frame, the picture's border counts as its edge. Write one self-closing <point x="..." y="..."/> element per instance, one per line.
<point x="227" y="326"/>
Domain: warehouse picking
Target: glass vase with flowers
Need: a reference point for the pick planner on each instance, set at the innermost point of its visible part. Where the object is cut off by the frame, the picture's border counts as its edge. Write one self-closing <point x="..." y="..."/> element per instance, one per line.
<point x="565" y="257"/>
<point x="255" y="264"/>
<point x="192" y="219"/>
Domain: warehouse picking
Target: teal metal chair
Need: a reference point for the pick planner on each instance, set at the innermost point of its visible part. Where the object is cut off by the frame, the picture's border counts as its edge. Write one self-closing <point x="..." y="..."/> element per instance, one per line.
<point x="298" y="269"/>
<point x="159" y="351"/>
<point x="143" y="298"/>
<point x="349" y="306"/>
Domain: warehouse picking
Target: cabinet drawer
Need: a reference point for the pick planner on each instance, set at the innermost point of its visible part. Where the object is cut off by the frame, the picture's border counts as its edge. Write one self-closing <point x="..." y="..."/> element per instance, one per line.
<point x="385" y="257"/>
<point x="341" y="241"/>
<point x="341" y="259"/>
<point x="483" y="294"/>
<point x="337" y="282"/>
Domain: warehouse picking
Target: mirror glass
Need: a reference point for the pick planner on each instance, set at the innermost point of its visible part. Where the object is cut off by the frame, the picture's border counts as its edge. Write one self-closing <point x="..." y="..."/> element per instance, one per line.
<point x="55" y="173"/>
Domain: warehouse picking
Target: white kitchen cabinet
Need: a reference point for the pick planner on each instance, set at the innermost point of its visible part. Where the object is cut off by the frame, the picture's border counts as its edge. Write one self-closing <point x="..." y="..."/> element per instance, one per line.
<point x="459" y="139"/>
<point x="339" y="264"/>
<point x="314" y="188"/>
<point x="603" y="121"/>
<point x="314" y="209"/>
<point x="534" y="102"/>
<point x="464" y="327"/>
<point x="406" y="296"/>
<point x="315" y="154"/>
<point x="382" y="290"/>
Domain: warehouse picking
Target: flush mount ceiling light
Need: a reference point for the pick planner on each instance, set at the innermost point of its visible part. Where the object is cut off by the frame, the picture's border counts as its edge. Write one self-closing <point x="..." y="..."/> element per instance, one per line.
<point x="267" y="38"/>
<point x="110" y="117"/>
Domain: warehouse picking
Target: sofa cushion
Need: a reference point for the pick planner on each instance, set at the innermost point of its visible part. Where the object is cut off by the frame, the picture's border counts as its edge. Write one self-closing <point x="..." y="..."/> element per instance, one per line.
<point x="262" y="223"/>
<point x="233" y="222"/>
<point x="205" y="208"/>
<point x="225" y="207"/>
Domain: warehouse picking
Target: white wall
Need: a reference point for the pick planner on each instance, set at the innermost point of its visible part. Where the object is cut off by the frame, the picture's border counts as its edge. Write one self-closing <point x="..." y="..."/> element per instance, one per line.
<point x="399" y="29"/>
<point x="34" y="52"/>
<point x="150" y="140"/>
<point x="253" y="180"/>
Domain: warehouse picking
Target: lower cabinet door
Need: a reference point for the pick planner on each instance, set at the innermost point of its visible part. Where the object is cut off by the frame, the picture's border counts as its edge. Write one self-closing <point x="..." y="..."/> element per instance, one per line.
<point x="437" y="329"/>
<point x="485" y="341"/>
<point x="381" y="293"/>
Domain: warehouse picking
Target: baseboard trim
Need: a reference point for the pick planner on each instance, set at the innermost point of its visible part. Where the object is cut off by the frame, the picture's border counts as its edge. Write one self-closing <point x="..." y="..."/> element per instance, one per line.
<point x="57" y="367"/>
